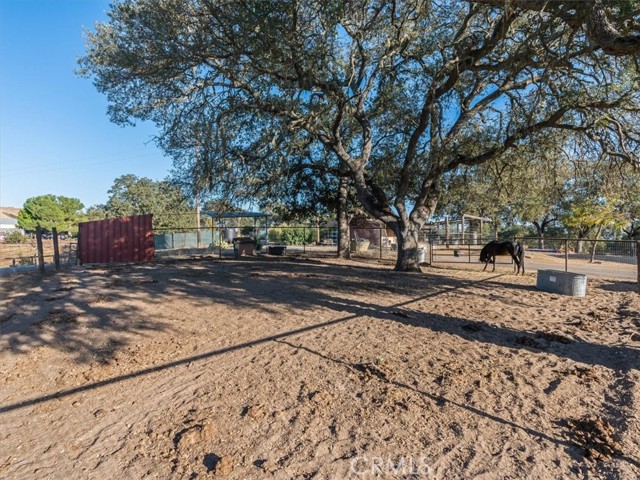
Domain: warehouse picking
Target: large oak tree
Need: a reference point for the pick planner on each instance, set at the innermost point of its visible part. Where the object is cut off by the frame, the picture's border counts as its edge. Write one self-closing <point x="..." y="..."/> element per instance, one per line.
<point x="398" y="92"/>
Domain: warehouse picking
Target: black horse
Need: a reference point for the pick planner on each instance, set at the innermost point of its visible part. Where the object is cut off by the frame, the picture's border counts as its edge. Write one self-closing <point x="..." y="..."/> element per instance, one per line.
<point x="507" y="247"/>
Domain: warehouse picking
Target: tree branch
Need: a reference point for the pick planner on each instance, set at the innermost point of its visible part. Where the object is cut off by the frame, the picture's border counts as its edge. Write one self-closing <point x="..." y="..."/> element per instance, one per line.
<point x="600" y="30"/>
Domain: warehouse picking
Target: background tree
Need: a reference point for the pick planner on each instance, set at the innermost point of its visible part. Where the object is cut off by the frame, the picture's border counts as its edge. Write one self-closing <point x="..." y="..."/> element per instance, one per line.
<point x="49" y="211"/>
<point x="131" y="195"/>
<point x="543" y="178"/>
<point x="524" y="186"/>
<point x="95" y="212"/>
<point x="630" y="203"/>
<point x="304" y="181"/>
<point x="593" y="215"/>
<point x="221" y="206"/>
<point x="411" y="89"/>
<point x="593" y="204"/>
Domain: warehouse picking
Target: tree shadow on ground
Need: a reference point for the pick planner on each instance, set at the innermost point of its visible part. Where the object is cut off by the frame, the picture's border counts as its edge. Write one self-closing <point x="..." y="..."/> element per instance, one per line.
<point x="77" y="311"/>
<point x="263" y="286"/>
<point x="573" y="448"/>
<point x="610" y="286"/>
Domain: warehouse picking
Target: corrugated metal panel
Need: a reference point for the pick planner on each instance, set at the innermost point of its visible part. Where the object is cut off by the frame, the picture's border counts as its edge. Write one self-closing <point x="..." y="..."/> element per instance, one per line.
<point x="565" y="283"/>
<point x="126" y="239"/>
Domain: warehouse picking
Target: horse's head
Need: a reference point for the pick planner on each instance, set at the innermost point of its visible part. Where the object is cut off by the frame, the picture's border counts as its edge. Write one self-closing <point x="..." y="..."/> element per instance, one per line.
<point x="488" y="251"/>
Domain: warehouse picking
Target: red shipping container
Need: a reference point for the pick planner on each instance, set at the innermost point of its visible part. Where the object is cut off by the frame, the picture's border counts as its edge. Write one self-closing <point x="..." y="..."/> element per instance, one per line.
<point x="116" y="240"/>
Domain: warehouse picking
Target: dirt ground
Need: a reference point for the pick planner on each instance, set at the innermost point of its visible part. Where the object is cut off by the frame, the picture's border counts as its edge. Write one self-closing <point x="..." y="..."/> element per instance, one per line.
<point x="314" y="368"/>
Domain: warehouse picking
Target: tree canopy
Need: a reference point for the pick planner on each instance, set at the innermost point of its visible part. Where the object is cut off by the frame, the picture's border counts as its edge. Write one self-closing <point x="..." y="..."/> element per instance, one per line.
<point x="610" y="25"/>
<point x="49" y="211"/>
<point x="132" y="195"/>
<point x="398" y="93"/>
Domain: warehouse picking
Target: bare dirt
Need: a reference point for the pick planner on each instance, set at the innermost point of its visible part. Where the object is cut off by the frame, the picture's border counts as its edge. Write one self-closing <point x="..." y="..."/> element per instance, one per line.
<point x="314" y="368"/>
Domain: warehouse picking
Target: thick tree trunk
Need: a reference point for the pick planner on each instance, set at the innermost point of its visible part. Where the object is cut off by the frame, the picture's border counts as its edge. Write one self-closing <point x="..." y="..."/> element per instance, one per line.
<point x="582" y="235"/>
<point x="540" y="232"/>
<point x="595" y="244"/>
<point x="343" y="219"/>
<point x="541" y="228"/>
<point x="405" y="225"/>
<point x="409" y="251"/>
<point x="198" y="233"/>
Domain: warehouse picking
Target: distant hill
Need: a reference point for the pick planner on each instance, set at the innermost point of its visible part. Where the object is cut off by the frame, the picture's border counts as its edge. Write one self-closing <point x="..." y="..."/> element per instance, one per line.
<point x="9" y="212"/>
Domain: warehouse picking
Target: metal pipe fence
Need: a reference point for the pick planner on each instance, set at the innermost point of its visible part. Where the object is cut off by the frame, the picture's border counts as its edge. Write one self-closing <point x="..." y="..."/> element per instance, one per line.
<point x="218" y="241"/>
<point x="615" y="259"/>
<point x="622" y="251"/>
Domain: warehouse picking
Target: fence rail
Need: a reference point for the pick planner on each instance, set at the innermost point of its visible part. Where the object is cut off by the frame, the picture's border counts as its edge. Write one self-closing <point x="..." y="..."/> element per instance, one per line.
<point x="623" y="251"/>
<point x="26" y="254"/>
<point x="218" y="241"/>
<point x="616" y="259"/>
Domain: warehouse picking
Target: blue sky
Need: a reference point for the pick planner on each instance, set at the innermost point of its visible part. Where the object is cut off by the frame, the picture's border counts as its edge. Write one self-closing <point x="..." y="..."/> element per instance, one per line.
<point x="55" y="135"/>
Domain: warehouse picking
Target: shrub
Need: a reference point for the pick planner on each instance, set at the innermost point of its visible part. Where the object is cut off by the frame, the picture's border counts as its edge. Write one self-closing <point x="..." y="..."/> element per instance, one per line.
<point x="16" y="237"/>
<point x="291" y="235"/>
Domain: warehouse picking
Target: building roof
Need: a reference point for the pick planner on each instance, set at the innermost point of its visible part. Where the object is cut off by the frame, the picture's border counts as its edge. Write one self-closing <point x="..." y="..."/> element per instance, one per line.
<point x="9" y="212"/>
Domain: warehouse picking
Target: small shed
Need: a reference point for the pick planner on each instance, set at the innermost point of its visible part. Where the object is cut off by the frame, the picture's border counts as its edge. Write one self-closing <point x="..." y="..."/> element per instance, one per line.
<point x="376" y="232"/>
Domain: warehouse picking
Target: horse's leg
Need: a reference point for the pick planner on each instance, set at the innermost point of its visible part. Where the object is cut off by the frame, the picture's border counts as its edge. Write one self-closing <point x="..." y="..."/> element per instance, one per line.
<point x="516" y="263"/>
<point x="494" y="263"/>
<point x="486" y="264"/>
<point x="520" y="256"/>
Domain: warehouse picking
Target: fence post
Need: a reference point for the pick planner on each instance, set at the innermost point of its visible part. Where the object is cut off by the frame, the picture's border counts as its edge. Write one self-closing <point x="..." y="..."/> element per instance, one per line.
<point x="469" y="249"/>
<point x="566" y="255"/>
<point x="78" y="245"/>
<point x="431" y="244"/>
<point x="56" y="251"/>
<point x="638" y="263"/>
<point x="40" y="249"/>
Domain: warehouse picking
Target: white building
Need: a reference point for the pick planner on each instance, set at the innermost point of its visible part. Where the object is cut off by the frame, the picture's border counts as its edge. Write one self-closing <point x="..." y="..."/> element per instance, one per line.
<point x="8" y="219"/>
